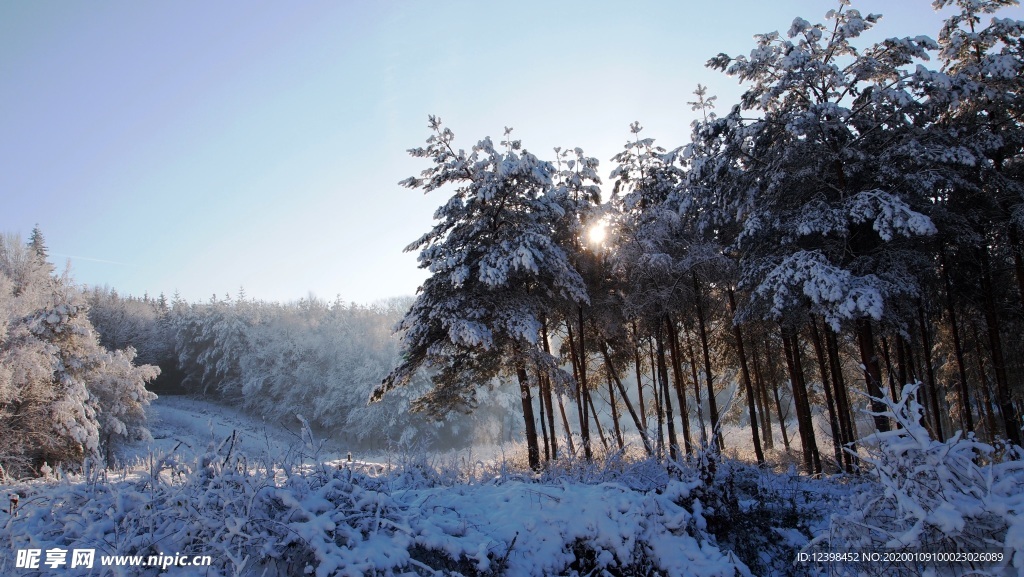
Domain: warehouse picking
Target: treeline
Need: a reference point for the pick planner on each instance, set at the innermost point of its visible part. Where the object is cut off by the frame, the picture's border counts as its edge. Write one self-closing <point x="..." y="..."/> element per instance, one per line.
<point x="852" y="225"/>
<point x="312" y="358"/>
<point x="64" y="397"/>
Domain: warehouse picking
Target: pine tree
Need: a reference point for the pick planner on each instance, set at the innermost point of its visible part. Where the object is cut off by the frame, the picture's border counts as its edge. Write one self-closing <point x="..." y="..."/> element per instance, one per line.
<point x="495" y="268"/>
<point x="829" y="207"/>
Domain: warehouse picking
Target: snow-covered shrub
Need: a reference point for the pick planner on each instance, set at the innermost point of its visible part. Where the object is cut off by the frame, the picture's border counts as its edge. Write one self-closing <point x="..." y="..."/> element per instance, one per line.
<point x="63" y="397"/>
<point x="258" y="516"/>
<point x="929" y="496"/>
<point x="762" y="517"/>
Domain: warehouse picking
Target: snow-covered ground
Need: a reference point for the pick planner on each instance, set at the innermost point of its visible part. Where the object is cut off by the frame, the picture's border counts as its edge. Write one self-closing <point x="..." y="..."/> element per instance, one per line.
<point x="259" y="499"/>
<point x="188" y="426"/>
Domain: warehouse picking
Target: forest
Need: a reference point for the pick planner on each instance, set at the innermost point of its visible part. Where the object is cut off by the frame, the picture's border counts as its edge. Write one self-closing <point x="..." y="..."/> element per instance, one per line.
<point x="835" y="262"/>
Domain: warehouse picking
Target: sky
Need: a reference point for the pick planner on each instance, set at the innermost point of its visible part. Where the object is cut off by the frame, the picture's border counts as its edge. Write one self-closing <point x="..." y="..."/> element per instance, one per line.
<point x="204" y="148"/>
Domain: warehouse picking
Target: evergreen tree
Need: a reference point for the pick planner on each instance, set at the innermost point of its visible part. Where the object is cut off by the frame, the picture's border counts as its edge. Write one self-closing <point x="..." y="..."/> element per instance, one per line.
<point x="495" y="268"/>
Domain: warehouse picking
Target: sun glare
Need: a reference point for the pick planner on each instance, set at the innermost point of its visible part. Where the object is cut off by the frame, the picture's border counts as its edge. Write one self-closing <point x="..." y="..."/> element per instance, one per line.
<point x="597" y="233"/>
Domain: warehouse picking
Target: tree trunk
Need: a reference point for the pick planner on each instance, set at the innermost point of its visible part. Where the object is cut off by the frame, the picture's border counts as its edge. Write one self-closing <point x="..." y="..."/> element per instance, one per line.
<point x="773" y="369"/>
<point x="597" y="423"/>
<point x="894" y="376"/>
<point x="666" y="399"/>
<point x="747" y="385"/>
<point x="543" y="421"/>
<point x="966" y="419"/>
<point x="565" y="423"/>
<point x="986" y="404"/>
<point x="762" y="400"/>
<point x="532" y="448"/>
<point x="639" y="380"/>
<point x="791" y="345"/>
<point x="847" y="425"/>
<point x="696" y="389"/>
<point x="677" y="378"/>
<point x="615" y="414"/>
<point x="547" y="395"/>
<point x="576" y="348"/>
<point x="1006" y="407"/>
<point x="872" y="373"/>
<point x="657" y="402"/>
<point x="933" y="389"/>
<point x="833" y="416"/>
<point x="716" y="434"/>
<point x="625" y="399"/>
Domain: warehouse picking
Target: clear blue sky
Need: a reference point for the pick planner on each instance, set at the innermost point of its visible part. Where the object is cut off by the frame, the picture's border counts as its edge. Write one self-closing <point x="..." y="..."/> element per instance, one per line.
<point x="207" y="146"/>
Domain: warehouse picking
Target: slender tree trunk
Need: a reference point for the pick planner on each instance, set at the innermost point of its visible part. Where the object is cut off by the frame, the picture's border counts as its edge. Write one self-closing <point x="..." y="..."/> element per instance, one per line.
<point x="615" y="414"/>
<point x="1006" y="407"/>
<point x="597" y="423"/>
<point x="833" y="416"/>
<point x="696" y="389"/>
<point x="716" y="433"/>
<point x="565" y="423"/>
<point x="773" y="369"/>
<point x="987" y="405"/>
<point x="847" y="424"/>
<point x="677" y="378"/>
<point x="762" y="400"/>
<point x="639" y="380"/>
<point x="666" y="399"/>
<point x="548" y="397"/>
<point x="585" y="389"/>
<point x="581" y="388"/>
<point x="543" y="421"/>
<point x="532" y="448"/>
<point x="893" y="375"/>
<point x="933" y="389"/>
<point x="747" y="385"/>
<point x="791" y="345"/>
<point x="625" y="399"/>
<point x="872" y="373"/>
<point x="966" y="419"/>
<point x="657" y="402"/>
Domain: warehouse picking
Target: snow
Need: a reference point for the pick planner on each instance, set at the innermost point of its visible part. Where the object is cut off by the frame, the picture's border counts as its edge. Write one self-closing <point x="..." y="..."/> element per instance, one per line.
<point x="265" y="500"/>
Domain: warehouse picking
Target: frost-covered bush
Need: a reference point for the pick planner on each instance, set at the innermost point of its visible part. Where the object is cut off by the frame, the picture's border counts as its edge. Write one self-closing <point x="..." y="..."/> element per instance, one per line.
<point x="960" y="495"/>
<point x="63" y="397"/>
<point x="300" y="516"/>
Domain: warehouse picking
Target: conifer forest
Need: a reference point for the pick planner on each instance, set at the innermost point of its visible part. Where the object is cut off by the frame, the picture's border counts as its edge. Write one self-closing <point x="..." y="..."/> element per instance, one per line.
<point x="788" y="346"/>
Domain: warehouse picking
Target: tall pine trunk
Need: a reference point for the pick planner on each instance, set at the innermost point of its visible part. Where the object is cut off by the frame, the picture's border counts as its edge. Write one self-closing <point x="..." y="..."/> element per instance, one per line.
<point x="677" y="378"/>
<point x="666" y="399"/>
<point x="1006" y="406"/>
<point x="986" y="404"/>
<point x="747" y="385"/>
<point x="639" y="380"/>
<point x="716" y="433"/>
<point x="933" y="389"/>
<point x="532" y="447"/>
<point x="833" y="415"/>
<point x="640" y="427"/>
<point x="966" y="419"/>
<point x="547" y="394"/>
<point x="847" y="424"/>
<point x="575" y="348"/>
<point x="762" y="400"/>
<point x="805" y="422"/>
<point x="872" y="372"/>
<point x="773" y="370"/>
<point x="696" y="388"/>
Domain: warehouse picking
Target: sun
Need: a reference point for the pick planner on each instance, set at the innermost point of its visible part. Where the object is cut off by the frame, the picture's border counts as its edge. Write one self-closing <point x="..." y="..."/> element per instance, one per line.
<point x="597" y="233"/>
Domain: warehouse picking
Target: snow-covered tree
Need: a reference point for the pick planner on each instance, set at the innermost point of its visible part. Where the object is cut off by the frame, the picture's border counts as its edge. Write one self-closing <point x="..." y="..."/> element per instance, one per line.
<point x="494" y="267"/>
<point x="63" y="397"/>
<point x="827" y="190"/>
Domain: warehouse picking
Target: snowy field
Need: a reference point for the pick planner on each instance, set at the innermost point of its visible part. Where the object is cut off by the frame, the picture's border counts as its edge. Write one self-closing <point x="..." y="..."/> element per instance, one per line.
<point x="259" y="499"/>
